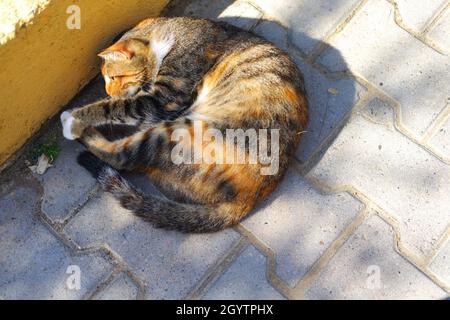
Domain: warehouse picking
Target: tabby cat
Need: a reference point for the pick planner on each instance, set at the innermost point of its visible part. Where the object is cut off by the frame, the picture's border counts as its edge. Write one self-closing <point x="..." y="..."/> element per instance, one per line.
<point x="168" y="74"/>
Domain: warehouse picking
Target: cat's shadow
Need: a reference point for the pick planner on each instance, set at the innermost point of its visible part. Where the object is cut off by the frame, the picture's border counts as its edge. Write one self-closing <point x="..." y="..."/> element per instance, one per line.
<point x="330" y="97"/>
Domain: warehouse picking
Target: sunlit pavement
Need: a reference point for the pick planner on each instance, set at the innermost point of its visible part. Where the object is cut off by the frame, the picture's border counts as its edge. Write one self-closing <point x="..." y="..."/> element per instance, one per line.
<point x="363" y="212"/>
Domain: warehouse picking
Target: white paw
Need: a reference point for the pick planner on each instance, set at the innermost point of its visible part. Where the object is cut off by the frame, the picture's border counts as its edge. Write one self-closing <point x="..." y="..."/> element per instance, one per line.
<point x="67" y="123"/>
<point x="64" y="116"/>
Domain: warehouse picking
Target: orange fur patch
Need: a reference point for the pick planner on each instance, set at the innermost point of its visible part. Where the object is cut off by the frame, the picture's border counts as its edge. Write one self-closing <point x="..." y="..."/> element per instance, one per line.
<point x="291" y="95"/>
<point x="122" y="48"/>
<point x="145" y="23"/>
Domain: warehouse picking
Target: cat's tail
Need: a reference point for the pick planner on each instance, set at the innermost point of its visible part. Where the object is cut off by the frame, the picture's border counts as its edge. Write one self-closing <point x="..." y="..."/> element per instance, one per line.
<point x="161" y="212"/>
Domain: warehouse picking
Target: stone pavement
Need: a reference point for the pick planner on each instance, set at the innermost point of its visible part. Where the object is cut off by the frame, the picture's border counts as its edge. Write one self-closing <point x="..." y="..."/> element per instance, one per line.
<point x="364" y="212"/>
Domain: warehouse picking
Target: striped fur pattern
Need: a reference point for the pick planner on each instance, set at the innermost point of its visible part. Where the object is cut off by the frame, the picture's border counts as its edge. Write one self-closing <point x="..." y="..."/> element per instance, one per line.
<point x="166" y="74"/>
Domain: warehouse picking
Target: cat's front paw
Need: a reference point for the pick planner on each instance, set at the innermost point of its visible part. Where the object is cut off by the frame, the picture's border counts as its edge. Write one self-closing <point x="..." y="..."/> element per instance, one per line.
<point x="70" y="126"/>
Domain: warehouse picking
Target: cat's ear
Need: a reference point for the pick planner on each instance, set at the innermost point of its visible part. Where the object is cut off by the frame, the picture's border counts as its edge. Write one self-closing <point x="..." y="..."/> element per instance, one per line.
<point x="124" y="50"/>
<point x="118" y="51"/>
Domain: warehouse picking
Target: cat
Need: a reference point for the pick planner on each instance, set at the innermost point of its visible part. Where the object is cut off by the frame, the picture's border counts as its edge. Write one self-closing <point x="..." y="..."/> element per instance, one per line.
<point x="169" y="74"/>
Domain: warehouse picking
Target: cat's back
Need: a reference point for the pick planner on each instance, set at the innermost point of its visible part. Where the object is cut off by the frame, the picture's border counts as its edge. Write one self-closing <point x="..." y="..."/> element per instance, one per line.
<point x="188" y="32"/>
<point x="248" y="82"/>
<point x="252" y="83"/>
<point x="234" y="73"/>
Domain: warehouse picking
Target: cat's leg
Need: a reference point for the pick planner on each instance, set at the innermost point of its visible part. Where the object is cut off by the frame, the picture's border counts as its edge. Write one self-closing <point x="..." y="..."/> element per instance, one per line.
<point x="142" y="110"/>
<point x="156" y="151"/>
<point x="121" y="153"/>
<point x="167" y="212"/>
<point x="133" y="152"/>
<point x="98" y="113"/>
<point x="160" y="211"/>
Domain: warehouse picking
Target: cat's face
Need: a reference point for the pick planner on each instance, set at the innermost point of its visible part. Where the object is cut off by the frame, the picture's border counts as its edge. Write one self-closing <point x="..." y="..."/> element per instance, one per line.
<point x="127" y="67"/>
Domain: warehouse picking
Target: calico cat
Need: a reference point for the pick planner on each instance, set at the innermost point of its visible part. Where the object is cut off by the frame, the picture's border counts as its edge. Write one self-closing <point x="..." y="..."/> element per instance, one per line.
<point x="170" y="74"/>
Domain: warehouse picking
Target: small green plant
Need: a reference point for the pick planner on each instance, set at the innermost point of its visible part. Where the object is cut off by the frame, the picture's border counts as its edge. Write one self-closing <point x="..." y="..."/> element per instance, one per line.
<point x="49" y="148"/>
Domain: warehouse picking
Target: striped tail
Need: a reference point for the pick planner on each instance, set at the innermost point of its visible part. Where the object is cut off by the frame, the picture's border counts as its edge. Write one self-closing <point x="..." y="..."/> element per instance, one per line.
<point x="161" y="212"/>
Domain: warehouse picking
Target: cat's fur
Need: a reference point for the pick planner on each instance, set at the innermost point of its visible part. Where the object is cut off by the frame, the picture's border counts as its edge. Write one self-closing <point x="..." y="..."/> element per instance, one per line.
<point x="167" y="73"/>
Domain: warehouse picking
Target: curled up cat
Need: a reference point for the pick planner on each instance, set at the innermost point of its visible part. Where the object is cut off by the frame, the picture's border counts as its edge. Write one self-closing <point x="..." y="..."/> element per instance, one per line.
<point x="217" y="115"/>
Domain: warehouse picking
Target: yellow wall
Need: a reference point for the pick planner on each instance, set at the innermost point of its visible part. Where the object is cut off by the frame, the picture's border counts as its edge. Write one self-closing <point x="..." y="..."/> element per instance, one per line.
<point x="46" y="63"/>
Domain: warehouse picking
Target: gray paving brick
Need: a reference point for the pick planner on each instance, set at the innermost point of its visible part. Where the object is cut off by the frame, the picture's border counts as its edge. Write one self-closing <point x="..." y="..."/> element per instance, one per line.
<point x="397" y="174"/>
<point x="417" y="13"/>
<point x="441" y="263"/>
<point x="421" y="74"/>
<point x="379" y="112"/>
<point x="441" y="32"/>
<point x="66" y="184"/>
<point x="441" y="140"/>
<point x="171" y="263"/>
<point x="281" y="10"/>
<point x="206" y="9"/>
<point x="329" y="102"/>
<point x="367" y="267"/>
<point x="122" y="288"/>
<point x="315" y="19"/>
<point x="245" y="279"/>
<point x="298" y="223"/>
<point x="239" y="13"/>
<point x="34" y="262"/>
<point x="309" y="20"/>
<point x="272" y="32"/>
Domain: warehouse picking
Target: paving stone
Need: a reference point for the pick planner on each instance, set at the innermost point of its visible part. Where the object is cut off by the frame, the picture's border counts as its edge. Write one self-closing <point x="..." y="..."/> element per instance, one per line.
<point x="34" y="262"/>
<point x="441" y="264"/>
<point x="66" y="184"/>
<point x="329" y="102"/>
<point x="421" y="74"/>
<point x="397" y="174"/>
<point x="122" y="288"/>
<point x="239" y="13"/>
<point x="206" y="9"/>
<point x="298" y="223"/>
<point x="281" y="10"/>
<point x="441" y="32"/>
<point x="245" y="279"/>
<point x="367" y="267"/>
<point x="315" y="19"/>
<point x="309" y="20"/>
<point x="401" y="177"/>
<point x="170" y="262"/>
<point x="441" y="140"/>
<point x="272" y="32"/>
<point x="379" y="112"/>
<point x="417" y="13"/>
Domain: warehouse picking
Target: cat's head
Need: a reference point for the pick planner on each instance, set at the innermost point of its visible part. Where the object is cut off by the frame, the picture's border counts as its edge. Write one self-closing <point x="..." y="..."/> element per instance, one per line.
<point x="131" y="64"/>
